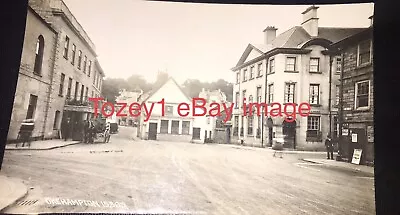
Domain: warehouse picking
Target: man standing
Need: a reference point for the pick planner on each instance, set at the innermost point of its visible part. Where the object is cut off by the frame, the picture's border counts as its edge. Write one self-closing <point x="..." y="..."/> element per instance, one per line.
<point x="66" y="126"/>
<point x="329" y="147"/>
<point x="85" y="131"/>
<point x="91" y="131"/>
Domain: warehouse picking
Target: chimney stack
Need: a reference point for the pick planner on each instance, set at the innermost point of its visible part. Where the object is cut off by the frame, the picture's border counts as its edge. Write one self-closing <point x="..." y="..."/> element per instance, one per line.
<point x="310" y="21"/>
<point x="269" y="35"/>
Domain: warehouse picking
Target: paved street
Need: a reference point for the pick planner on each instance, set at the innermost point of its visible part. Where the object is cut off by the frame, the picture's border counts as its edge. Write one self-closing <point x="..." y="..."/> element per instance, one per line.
<point x="184" y="177"/>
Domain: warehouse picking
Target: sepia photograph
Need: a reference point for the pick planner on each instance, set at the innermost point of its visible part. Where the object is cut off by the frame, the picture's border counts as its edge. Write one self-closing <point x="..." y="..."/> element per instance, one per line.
<point x="153" y="107"/>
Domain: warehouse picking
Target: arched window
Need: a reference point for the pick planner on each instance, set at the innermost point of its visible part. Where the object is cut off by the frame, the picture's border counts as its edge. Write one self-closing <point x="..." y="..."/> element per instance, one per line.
<point x="39" y="55"/>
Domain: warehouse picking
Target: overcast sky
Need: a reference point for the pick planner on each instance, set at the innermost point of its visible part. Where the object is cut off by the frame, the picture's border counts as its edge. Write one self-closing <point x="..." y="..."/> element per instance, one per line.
<point x="201" y="41"/>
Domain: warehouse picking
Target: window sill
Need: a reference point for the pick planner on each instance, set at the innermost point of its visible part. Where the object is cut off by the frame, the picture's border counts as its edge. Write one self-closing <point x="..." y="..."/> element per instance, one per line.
<point x="260" y="76"/>
<point x="313" y="139"/>
<point x="72" y="63"/>
<point x="37" y="74"/>
<point x="65" y="57"/>
<point x="315" y="72"/>
<point x="288" y="103"/>
<point x="363" y="109"/>
<point x="251" y="79"/>
<point x="364" y="65"/>
<point x="315" y="105"/>
<point x="270" y="73"/>
<point x="60" y="95"/>
<point x="288" y="71"/>
<point x="244" y="81"/>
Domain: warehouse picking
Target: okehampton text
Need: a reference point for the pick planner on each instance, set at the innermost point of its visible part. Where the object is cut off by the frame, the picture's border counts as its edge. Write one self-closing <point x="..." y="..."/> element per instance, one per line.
<point x="199" y="107"/>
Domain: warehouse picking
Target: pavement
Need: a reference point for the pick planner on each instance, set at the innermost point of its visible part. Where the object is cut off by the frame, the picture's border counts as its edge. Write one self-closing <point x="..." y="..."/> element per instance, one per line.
<point x="343" y="165"/>
<point x="42" y="145"/>
<point x="11" y="190"/>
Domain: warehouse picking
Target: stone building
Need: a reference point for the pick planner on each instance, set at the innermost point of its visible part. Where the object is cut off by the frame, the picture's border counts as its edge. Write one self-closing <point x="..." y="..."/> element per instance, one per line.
<point x="356" y="118"/>
<point x="289" y="68"/>
<point x="58" y="73"/>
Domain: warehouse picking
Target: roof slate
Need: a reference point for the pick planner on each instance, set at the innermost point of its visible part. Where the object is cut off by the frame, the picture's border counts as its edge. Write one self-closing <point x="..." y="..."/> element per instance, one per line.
<point x="296" y="36"/>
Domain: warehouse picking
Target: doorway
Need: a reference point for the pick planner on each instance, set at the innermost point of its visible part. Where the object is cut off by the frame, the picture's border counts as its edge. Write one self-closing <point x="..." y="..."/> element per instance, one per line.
<point x="289" y="132"/>
<point x="152" y="131"/>
<point x="270" y="125"/>
<point x="196" y="134"/>
<point x="360" y="144"/>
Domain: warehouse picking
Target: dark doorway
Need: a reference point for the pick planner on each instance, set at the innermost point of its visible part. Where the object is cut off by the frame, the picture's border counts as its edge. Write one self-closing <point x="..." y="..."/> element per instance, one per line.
<point x="289" y="132"/>
<point x="152" y="131"/>
<point x="270" y="125"/>
<point x="196" y="134"/>
<point x="77" y="126"/>
<point x="360" y="144"/>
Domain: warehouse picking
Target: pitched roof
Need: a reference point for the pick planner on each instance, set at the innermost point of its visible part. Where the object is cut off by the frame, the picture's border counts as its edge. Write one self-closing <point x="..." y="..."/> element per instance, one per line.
<point x="149" y="94"/>
<point x="296" y="36"/>
<point x="337" y="34"/>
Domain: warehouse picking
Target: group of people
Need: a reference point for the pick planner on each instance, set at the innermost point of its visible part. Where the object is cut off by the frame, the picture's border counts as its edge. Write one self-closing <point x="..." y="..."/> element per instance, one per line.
<point x="87" y="127"/>
<point x="89" y="131"/>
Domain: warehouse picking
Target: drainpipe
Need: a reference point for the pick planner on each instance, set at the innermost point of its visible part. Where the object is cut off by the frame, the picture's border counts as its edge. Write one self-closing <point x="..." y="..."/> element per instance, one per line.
<point x="330" y="95"/>
<point x="340" y="146"/>
<point x="265" y="101"/>
<point x="51" y="85"/>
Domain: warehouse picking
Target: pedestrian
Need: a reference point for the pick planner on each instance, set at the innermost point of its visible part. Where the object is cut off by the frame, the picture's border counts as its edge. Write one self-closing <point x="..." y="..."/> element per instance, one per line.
<point x="91" y="130"/>
<point x="329" y="147"/>
<point x="85" y="131"/>
<point x="66" y="128"/>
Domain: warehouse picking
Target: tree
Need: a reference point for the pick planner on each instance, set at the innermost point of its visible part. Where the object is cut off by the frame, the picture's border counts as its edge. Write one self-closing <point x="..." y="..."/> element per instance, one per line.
<point x="162" y="77"/>
<point x="137" y="81"/>
<point x="193" y="87"/>
<point x="111" y="88"/>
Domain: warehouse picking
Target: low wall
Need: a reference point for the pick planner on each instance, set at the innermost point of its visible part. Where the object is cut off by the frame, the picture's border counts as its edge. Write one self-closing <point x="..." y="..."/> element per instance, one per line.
<point x="174" y="138"/>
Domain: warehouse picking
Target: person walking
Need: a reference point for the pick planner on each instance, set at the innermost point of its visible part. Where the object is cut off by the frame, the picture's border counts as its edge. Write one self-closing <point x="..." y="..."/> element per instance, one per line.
<point x="329" y="147"/>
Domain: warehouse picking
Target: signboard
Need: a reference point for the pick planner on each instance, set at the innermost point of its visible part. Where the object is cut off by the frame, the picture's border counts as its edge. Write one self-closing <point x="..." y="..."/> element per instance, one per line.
<point x="354" y="138"/>
<point x="356" y="156"/>
<point x="370" y="134"/>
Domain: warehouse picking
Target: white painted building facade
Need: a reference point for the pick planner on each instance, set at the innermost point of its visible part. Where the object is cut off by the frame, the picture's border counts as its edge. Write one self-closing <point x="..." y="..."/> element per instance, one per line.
<point x="171" y="126"/>
<point x="290" y="68"/>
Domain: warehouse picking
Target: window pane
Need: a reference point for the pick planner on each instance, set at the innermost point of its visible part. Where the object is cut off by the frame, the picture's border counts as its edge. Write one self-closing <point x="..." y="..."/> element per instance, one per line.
<point x="175" y="127"/>
<point x="164" y="126"/>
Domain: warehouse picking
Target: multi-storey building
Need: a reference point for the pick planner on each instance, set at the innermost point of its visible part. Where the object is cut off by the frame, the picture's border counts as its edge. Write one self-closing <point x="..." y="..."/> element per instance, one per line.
<point x="290" y="68"/>
<point x="356" y="112"/>
<point x="59" y="71"/>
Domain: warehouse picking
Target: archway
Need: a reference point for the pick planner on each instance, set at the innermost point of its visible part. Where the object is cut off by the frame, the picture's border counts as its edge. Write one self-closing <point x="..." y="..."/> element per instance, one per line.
<point x="289" y="132"/>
